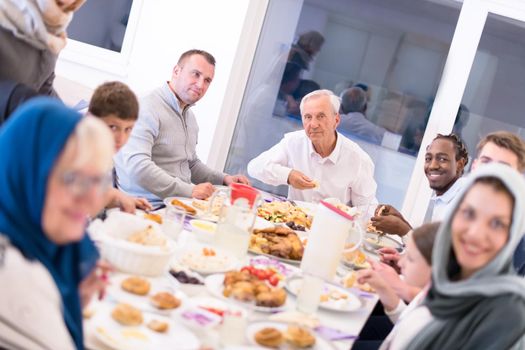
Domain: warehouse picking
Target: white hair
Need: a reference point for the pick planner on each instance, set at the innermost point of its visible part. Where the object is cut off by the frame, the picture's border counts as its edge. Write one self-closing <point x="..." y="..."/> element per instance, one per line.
<point x="334" y="100"/>
<point x="93" y="143"/>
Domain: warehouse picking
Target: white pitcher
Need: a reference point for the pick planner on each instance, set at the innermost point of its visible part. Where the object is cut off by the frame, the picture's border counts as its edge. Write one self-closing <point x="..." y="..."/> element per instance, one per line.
<point x="331" y="228"/>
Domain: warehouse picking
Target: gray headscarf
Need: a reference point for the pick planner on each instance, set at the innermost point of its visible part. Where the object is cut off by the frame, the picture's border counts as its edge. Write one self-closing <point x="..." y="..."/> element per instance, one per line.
<point x="40" y="23"/>
<point x="487" y="310"/>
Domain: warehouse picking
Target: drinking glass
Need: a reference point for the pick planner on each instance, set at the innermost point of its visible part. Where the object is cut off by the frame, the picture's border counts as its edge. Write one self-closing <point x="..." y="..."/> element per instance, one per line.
<point x="233" y="328"/>
<point x="173" y="222"/>
<point x="309" y="296"/>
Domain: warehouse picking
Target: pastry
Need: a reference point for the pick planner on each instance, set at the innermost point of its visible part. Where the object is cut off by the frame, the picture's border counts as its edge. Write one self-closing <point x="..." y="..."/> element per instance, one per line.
<point x="127" y="315"/>
<point x="269" y="337"/>
<point x="165" y="301"/>
<point x="136" y="285"/>
<point x="188" y="209"/>
<point x="299" y="337"/>
<point x="274" y="298"/>
<point x="158" y="326"/>
<point x="154" y="217"/>
<point x="243" y="291"/>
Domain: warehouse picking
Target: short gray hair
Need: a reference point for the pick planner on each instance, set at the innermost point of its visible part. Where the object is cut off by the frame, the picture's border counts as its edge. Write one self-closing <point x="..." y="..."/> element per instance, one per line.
<point x="353" y="100"/>
<point x="334" y="100"/>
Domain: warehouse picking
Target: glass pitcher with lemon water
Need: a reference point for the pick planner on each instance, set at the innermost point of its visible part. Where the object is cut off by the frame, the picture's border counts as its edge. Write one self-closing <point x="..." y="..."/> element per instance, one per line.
<point x="236" y="218"/>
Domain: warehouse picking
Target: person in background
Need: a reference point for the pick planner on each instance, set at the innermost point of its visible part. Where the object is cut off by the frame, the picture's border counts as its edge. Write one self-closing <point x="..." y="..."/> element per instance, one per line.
<point x="117" y="106"/>
<point x="305" y="87"/>
<point x="12" y="95"/>
<point x="416" y="266"/>
<point x="353" y="118"/>
<point x="54" y="173"/>
<point x="462" y="118"/>
<point x="475" y="300"/>
<point x="445" y="161"/>
<point x="160" y="158"/>
<point x="32" y="34"/>
<point x="285" y="103"/>
<point x="307" y="46"/>
<point x="318" y="162"/>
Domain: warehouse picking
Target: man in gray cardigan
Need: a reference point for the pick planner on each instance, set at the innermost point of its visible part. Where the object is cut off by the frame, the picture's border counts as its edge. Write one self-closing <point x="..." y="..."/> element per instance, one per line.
<point x="160" y="158"/>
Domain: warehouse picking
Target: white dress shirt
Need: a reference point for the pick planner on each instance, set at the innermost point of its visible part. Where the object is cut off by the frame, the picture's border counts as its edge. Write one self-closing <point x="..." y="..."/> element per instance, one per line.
<point x="439" y="204"/>
<point x="347" y="173"/>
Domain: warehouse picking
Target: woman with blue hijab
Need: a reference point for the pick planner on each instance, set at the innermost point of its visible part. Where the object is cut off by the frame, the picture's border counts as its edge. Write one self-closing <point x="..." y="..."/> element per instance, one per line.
<point x="54" y="172"/>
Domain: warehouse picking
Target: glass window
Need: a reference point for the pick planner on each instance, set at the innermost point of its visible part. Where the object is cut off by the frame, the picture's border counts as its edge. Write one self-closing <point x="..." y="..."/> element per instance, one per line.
<point x="494" y="96"/>
<point x="390" y="53"/>
<point x="101" y="23"/>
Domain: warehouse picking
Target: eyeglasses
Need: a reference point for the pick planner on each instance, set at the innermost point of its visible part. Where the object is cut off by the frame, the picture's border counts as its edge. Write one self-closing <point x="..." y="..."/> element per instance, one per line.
<point x="79" y="184"/>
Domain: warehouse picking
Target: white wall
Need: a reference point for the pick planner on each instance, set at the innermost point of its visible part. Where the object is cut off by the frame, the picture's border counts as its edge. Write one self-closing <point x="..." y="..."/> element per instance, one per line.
<point x="166" y="28"/>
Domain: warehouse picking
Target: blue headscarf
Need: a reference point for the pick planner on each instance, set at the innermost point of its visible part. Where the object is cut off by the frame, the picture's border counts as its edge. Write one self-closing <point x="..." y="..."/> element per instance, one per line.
<point x="31" y="142"/>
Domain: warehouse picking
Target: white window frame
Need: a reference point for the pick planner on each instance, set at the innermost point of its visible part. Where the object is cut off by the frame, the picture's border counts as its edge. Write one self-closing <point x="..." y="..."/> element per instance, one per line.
<point x="456" y="72"/>
<point x="116" y="63"/>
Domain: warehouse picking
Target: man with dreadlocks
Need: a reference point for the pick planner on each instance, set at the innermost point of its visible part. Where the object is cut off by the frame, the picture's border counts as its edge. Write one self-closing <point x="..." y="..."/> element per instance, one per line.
<point x="445" y="160"/>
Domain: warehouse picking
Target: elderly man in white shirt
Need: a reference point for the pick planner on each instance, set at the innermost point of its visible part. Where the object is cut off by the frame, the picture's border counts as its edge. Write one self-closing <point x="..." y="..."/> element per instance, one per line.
<point x="318" y="162"/>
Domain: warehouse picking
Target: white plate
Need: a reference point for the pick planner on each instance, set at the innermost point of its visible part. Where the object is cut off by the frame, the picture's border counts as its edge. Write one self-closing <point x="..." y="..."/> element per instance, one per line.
<point x="347" y="301"/>
<point x="263" y="261"/>
<point x="320" y="343"/>
<point x="370" y="241"/>
<point x="201" y="214"/>
<point x="215" y="286"/>
<point x="160" y="284"/>
<point x="119" y="337"/>
<point x="196" y="261"/>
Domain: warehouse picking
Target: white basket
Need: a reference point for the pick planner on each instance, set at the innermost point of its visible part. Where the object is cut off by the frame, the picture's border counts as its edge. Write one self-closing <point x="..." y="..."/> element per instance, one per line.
<point x="131" y="257"/>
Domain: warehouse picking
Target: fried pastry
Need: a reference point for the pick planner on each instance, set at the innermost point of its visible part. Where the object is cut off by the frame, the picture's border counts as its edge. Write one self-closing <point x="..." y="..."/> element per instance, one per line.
<point x="154" y="217"/>
<point x="274" y="298"/>
<point x="299" y="337"/>
<point x="158" y="326"/>
<point x="243" y="291"/>
<point x="188" y="209"/>
<point x="269" y="337"/>
<point x="136" y="285"/>
<point x="165" y="301"/>
<point x="127" y="315"/>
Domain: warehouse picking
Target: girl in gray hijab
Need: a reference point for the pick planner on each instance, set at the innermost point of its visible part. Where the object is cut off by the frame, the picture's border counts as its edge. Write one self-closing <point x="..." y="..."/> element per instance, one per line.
<point x="476" y="301"/>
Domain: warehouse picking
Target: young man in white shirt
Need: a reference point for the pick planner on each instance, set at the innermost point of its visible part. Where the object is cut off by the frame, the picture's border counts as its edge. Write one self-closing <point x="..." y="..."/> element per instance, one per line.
<point x="445" y="160"/>
<point x="318" y="162"/>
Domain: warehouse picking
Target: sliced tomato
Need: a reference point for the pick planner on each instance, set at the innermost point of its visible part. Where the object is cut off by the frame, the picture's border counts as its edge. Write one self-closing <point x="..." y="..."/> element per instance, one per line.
<point x="273" y="280"/>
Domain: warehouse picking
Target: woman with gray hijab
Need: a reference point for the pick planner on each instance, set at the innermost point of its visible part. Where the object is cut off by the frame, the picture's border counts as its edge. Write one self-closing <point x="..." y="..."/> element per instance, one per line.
<point x="476" y="300"/>
<point x="32" y="34"/>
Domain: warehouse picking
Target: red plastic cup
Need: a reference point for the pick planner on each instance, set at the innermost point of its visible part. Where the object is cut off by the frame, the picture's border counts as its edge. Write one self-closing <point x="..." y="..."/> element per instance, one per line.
<point x="239" y="190"/>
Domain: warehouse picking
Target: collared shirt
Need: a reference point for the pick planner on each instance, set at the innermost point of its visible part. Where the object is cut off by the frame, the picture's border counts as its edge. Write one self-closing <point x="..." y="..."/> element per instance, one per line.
<point x="347" y="173"/>
<point x="441" y="203"/>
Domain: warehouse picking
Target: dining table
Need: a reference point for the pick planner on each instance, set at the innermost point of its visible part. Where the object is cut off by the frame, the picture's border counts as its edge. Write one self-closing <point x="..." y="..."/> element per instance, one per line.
<point x="337" y="328"/>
